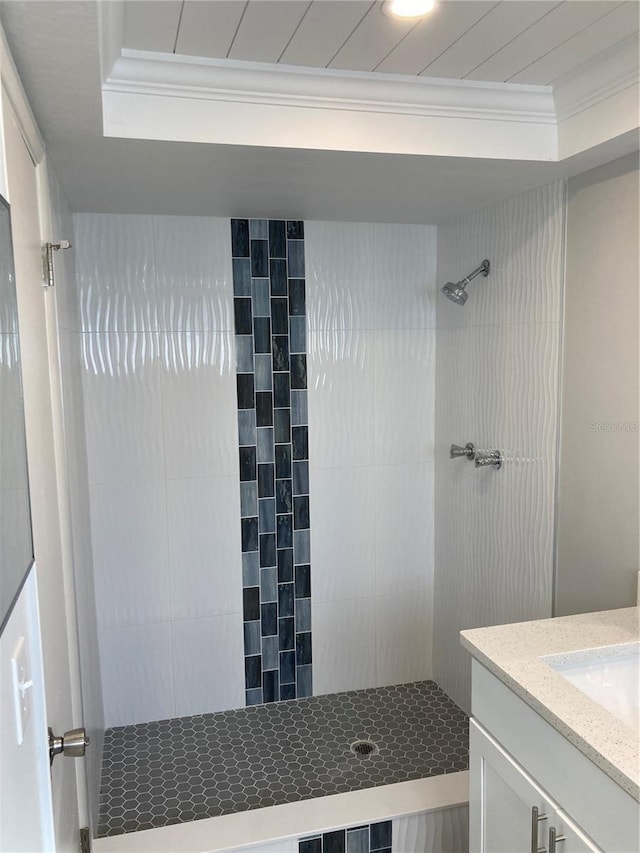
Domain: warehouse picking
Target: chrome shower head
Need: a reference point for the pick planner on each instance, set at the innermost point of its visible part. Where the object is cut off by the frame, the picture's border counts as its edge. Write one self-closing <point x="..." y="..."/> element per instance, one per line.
<point x="456" y="292"/>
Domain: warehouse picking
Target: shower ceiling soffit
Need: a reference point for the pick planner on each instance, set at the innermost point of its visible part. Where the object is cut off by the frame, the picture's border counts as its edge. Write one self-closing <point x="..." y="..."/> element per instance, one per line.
<point x="161" y="96"/>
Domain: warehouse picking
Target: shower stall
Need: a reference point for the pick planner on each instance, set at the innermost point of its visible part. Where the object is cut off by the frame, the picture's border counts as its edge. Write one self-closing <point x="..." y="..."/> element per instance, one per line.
<point x="282" y="550"/>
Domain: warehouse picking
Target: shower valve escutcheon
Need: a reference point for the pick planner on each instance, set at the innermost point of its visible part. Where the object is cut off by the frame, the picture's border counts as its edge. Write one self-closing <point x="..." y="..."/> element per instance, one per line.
<point x="493" y="459"/>
<point x="468" y="450"/>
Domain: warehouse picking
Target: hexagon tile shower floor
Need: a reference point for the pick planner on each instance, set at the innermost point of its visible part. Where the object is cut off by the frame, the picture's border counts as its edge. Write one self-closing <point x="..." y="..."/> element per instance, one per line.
<point x="161" y="773"/>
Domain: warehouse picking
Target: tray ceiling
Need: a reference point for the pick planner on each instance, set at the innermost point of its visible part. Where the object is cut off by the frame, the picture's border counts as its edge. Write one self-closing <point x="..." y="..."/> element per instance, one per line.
<point x="57" y="50"/>
<point x="517" y="41"/>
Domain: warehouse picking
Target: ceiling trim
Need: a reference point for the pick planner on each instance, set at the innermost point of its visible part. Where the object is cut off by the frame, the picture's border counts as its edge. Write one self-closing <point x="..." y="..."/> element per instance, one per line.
<point x="165" y="97"/>
<point x="611" y="72"/>
<point x="147" y="95"/>
<point x="147" y="73"/>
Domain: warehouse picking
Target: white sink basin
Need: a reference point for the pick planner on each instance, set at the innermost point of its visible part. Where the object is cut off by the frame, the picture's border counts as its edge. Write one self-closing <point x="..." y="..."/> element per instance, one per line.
<point x="609" y="675"/>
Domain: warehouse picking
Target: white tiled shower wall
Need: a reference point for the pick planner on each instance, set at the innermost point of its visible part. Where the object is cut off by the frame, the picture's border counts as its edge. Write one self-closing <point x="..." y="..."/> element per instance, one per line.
<point x="159" y="386"/>
<point x="497" y="386"/>
<point x="371" y="374"/>
<point x="156" y="312"/>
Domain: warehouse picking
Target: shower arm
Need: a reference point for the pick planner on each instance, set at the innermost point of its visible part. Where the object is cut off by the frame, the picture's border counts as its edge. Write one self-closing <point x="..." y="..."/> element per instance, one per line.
<point x="483" y="268"/>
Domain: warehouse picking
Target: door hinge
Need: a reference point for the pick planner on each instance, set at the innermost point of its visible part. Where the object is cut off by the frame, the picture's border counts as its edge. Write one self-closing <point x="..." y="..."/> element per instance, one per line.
<point x="49" y="249"/>
<point x="85" y="840"/>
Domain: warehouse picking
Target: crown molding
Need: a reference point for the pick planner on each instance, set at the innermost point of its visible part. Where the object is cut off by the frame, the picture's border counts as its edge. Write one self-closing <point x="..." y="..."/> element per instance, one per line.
<point x="608" y="74"/>
<point x="599" y="101"/>
<point x="160" y="96"/>
<point x="183" y="99"/>
<point x="147" y="73"/>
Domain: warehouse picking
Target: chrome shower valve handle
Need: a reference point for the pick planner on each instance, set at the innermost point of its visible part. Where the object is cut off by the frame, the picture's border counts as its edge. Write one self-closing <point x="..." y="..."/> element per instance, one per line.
<point x="493" y="458"/>
<point x="468" y="450"/>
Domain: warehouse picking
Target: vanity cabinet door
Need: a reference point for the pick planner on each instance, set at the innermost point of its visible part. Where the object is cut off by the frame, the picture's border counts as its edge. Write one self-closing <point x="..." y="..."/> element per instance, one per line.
<point x="508" y="811"/>
<point x="573" y="839"/>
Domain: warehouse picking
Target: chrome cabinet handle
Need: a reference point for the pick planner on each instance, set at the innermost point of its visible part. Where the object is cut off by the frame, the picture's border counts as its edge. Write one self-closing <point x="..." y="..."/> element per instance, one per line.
<point x="536" y="817"/>
<point x="468" y="450"/>
<point x="554" y="839"/>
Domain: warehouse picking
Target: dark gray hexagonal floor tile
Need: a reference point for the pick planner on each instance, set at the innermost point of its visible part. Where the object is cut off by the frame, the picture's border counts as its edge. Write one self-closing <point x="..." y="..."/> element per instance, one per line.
<point x="156" y="774"/>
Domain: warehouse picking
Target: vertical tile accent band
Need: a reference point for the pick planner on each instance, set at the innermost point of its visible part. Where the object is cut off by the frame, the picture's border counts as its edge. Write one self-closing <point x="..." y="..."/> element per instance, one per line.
<point x="271" y="372"/>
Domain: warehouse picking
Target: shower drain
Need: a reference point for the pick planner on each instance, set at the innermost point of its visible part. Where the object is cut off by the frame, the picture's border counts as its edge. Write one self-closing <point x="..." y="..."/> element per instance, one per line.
<point x="364" y="748"/>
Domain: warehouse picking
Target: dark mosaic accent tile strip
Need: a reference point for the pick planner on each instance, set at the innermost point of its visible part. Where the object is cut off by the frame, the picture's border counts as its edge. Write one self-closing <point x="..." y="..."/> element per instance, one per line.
<point x="172" y="771"/>
<point x="357" y="839"/>
<point x="271" y="365"/>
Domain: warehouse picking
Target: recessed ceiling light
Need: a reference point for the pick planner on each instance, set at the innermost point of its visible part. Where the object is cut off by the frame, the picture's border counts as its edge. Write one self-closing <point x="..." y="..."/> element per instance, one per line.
<point x="407" y="8"/>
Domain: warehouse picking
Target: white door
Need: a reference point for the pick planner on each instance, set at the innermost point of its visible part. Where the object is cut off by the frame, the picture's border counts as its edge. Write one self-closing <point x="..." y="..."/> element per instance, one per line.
<point x="55" y="592"/>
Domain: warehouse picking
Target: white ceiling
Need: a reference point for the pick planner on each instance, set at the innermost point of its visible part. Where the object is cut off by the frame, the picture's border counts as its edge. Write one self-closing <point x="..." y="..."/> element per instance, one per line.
<point x="516" y="41"/>
<point x="56" y="49"/>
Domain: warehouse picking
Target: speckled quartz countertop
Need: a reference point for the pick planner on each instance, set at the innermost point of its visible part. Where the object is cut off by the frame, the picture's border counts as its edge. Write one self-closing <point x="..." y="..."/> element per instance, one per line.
<point x="513" y="652"/>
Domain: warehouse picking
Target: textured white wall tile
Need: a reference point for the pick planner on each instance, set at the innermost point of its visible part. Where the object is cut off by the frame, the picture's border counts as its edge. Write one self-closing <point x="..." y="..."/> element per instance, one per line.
<point x="123" y="407"/>
<point x="442" y="831"/>
<point x="462" y="246"/>
<point x="403" y="528"/>
<point x="116" y="275"/>
<point x="160" y="407"/>
<point x="371" y="404"/>
<point x="522" y="237"/>
<point x="536" y="223"/>
<point x="137" y="673"/>
<point x="339" y="263"/>
<point x="129" y="531"/>
<point x="497" y="386"/>
<point x="342" y="533"/>
<point x="205" y="562"/>
<point x="404" y="276"/>
<point x="404" y="399"/>
<point x="208" y="664"/>
<point x="344" y="645"/>
<point x="199" y="404"/>
<point x="340" y="367"/>
<point x="195" y="283"/>
<point x="403" y="637"/>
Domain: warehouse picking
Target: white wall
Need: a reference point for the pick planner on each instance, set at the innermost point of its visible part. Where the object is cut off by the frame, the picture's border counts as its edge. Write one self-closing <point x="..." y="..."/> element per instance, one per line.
<point x="497" y="386"/>
<point x="598" y="540"/>
<point x="156" y="313"/>
<point x="371" y="372"/>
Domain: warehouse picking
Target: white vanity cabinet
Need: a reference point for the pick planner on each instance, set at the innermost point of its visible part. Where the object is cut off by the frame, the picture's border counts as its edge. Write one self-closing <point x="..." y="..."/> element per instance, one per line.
<point x="521" y="768"/>
<point x="510" y="812"/>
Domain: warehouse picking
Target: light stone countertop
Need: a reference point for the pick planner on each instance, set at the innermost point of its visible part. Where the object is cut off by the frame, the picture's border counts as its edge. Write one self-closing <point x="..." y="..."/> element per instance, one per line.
<point x="513" y="652"/>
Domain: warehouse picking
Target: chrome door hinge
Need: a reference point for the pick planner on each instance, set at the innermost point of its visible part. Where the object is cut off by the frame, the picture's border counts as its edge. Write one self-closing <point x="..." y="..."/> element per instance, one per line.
<point x="49" y="249"/>
<point x="85" y="840"/>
